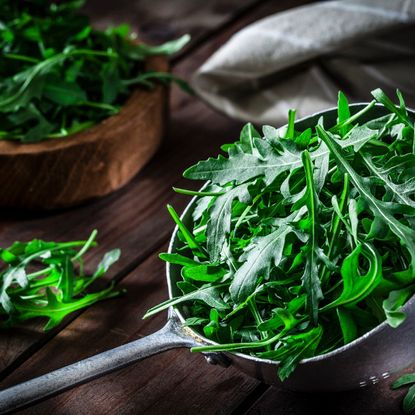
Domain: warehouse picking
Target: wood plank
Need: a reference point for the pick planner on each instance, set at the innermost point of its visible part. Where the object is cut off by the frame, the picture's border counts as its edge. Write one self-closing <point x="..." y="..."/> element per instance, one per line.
<point x="374" y="400"/>
<point x="156" y="385"/>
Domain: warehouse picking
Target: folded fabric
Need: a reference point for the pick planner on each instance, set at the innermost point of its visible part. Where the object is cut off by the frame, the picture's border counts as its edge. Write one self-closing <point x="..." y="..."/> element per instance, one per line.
<point x="302" y="57"/>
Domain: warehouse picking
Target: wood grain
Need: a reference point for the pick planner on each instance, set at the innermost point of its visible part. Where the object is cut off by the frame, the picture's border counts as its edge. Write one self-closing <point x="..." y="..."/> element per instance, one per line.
<point x="377" y="399"/>
<point x="64" y="172"/>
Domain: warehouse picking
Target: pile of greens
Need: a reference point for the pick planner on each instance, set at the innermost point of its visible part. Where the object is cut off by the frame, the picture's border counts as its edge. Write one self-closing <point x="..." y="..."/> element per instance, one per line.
<point x="302" y="241"/>
<point x="59" y="76"/>
<point x="47" y="280"/>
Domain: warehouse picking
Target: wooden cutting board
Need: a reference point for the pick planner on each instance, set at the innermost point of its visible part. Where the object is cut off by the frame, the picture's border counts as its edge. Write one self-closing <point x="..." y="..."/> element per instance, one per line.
<point x="95" y="162"/>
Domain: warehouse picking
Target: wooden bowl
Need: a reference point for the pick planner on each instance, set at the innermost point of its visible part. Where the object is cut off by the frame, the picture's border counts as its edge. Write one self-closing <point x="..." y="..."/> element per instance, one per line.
<point x="67" y="171"/>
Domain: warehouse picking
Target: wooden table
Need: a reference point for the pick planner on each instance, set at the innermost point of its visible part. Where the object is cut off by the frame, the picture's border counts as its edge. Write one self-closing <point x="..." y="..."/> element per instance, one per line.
<point x="135" y="220"/>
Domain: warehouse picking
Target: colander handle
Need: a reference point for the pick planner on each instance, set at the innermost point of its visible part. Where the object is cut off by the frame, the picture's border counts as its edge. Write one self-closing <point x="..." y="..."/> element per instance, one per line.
<point x="169" y="337"/>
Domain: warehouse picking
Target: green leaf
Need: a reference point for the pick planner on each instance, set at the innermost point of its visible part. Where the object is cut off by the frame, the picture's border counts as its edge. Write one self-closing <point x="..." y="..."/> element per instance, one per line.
<point x="67" y="279"/>
<point x="393" y="304"/>
<point x="290" y="127"/>
<point x="381" y="97"/>
<point x="186" y="233"/>
<point x="343" y="112"/>
<point x="347" y="324"/>
<point x="168" y="48"/>
<point x="205" y="272"/>
<point x="195" y="321"/>
<point x="56" y="310"/>
<point x="356" y="286"/>
<point x="209" y="295"/>
<point x="310" y="277"/>
<point x="219" y="223"/>
<point x="257" y="261"/>
<point x="64" y="93"/>
<point x="303" y="346"/>
<point x="409" y="401"/>
<point x="241" y="167"/>
<point x="246" y="138"/>
<point x="75" y="75"/>
<point x="178" y="259"/>
<point x="38" y="131"/>
<point x="107" y="261"/>
<point x="358" y="137"/>
<point x="14" y="275"/>
<point x="402" y="191"/>
<point x="404" y="380"/>
<point x="111" y="83"/>
<point x="28" y="84"/>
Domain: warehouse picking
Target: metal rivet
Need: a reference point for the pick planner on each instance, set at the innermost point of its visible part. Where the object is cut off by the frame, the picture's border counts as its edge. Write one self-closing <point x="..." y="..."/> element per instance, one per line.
<point x="217" y="359"/>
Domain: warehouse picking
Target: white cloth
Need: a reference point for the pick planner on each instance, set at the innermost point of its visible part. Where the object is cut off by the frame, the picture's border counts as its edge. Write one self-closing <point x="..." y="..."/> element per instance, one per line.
<point x="302" y="57"/>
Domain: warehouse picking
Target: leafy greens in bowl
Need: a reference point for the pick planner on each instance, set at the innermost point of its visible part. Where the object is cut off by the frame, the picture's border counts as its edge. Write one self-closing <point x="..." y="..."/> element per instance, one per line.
<point x="59" y="76"/>
<point x="302" y="241"/>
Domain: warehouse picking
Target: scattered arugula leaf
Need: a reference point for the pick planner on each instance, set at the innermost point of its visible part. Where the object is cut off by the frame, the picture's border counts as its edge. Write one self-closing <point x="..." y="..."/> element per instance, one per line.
<point x="46" y="279"/>
<point x="409" y="399"/>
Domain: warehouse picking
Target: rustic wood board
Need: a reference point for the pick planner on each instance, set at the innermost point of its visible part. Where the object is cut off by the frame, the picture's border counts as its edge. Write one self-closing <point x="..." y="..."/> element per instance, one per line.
<point x="135" y="220"/>
<point x="376" y="399"/>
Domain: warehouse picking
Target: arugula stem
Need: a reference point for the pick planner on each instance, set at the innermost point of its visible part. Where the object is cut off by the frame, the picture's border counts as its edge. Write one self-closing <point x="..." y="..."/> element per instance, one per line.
<point x="87" y="245"/>
<point x="355" y="117"/>
<point x="186" y="233"/>
<point x="244" y="304"/>
<point x="18" y="57"/>
<point x="335" y="229"/>
<point x="63" y="245"/>
<point x="245" y="213"/>
<point x="39" y="273"/>
<point x="202" y="228"/>
<point x="238" y="346"/>
<point x="101" y="105"/>
<point x="258" y="319"/>
<point x="91" y="52"/>
<point x="196" y="193"/>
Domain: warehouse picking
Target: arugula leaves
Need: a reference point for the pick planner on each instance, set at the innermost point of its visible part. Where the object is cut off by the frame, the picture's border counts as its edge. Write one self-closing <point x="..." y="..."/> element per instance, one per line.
<point x="46" y="279"/>
<point x="59" y="76"/>
<point x="303" y="240"/>
<point x="409" y="399"/>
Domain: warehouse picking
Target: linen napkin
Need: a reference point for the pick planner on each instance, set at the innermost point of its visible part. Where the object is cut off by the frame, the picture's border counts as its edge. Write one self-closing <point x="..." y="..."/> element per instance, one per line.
<point x="300" y="58"/>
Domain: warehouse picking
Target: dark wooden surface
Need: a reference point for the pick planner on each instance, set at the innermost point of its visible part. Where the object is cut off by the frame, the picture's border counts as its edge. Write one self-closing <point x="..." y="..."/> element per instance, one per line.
<point x="135" y="220"/>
